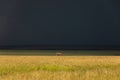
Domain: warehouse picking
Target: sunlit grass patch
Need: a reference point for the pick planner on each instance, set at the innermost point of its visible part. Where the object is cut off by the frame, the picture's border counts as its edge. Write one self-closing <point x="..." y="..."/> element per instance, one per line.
<point x="59" y="68"/>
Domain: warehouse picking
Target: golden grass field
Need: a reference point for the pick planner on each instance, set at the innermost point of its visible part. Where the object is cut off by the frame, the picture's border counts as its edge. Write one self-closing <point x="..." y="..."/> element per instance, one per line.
<point x="59" y="67"/>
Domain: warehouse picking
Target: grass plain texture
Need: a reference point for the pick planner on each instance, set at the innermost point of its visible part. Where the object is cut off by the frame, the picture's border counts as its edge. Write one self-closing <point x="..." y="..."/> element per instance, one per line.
<point x="64" y="52"/>
<point x="59" y="67"/>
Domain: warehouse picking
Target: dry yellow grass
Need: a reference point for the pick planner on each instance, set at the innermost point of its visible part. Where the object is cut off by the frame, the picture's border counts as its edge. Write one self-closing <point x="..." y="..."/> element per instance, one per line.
<point x="59" y="68"/>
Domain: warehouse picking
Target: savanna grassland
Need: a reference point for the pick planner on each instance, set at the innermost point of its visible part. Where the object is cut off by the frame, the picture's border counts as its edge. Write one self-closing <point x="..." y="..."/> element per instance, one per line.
<point x="59" y="67"/>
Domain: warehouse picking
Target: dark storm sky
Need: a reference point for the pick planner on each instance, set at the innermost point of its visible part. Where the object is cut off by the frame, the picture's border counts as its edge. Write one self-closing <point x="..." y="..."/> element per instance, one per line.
<point x="38" y="22"/>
